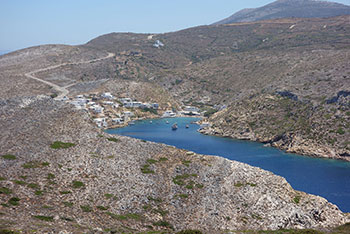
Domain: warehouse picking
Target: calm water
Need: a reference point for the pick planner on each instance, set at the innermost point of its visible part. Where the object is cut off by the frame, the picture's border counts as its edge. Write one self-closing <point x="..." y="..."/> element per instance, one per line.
<point x="323" y="177"/>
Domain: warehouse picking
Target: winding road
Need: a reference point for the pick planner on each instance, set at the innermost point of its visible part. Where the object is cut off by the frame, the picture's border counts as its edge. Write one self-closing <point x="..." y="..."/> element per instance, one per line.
<point x="63" y="90"/>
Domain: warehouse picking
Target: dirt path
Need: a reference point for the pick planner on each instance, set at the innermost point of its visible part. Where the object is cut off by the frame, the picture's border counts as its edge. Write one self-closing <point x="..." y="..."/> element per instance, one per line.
<point x="62" y="90"/>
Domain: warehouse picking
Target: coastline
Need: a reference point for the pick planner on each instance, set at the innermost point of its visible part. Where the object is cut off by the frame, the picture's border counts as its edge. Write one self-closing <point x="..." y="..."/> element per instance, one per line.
<point x="288" y="143"/>
<point x="295" y="145"/>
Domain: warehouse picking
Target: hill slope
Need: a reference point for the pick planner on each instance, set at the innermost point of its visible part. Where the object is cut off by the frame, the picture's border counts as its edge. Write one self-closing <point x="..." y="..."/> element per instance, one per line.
<point x="289" y="9"/>
<point x="97" y="183"/>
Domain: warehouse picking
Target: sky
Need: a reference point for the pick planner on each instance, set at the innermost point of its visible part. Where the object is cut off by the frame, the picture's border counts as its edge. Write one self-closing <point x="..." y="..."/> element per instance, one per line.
<point x="25" y="23"/>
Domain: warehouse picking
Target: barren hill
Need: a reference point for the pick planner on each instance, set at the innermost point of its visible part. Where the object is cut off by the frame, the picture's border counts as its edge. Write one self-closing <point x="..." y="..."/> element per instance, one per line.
<point x="285" y="82"/>
<point x="289" y="9"/>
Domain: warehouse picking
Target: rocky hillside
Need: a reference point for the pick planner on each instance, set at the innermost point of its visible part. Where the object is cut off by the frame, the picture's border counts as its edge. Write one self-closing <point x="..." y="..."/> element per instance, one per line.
<point x="61" y="174"/>
<point x="207" y="66"/>
<point x="283" y="120"/>
<point x="289" y="9"/>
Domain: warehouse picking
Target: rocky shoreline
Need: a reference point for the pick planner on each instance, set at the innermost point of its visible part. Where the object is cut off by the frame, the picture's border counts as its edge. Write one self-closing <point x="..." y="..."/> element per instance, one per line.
<point x="288" y="143"/>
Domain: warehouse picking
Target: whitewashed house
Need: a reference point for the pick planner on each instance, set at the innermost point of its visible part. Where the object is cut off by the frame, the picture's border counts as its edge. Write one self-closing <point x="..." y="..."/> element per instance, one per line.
<point x="136" y="104"/>
<point x="107" y="95"/>
<point x="191" y="109"/>
<point x="97" y="109"/>
<point x="100" y="122"/>
<point x="168" y="114"/>
<point x="145" y="105"/>
<point x="109" y="103"/>
<point x="158" y="44"/>
<point x="117" y="121"/>
<point x="128" y="114"/>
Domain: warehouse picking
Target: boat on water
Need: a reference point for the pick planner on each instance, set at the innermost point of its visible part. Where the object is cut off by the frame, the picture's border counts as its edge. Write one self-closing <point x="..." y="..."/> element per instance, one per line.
<point x="174" y="127"/>
<point x="167" y="122"/>
<point x="150" y="122"/>
<point x="131" y="123"/>
<point x="187" y="126"/>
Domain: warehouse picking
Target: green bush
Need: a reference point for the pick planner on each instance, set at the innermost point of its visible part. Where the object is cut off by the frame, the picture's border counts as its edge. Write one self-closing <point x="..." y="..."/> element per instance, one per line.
<point x="151" y="161"/>
<point x="9" y="157"/>
<point x="162" y="224"/>
<point x="38" y="192"/>
<point x="86" y="208"/>
<point x="4" y="190"/>
<point x="50" y="176"/>
<point x="340" y="131"/>
<point x="14" y="201"/>
<point x="108" y="195"/>
<point x="296" y="199"/>
<point x="65" y="192"/>
<point x="33" y="186"/>
<point x="210" y="112"/>
<point x="102" y="207"/>
<point x="68" y="204"/>
<point x="31" y="164"/>
<point x="20" y="182"/>
<point x="61" y="145"/>
<point x="113" y="139"/>
<point x="77" y="184"/>
<point x="44" y="218"/>
<point x="146" y="170"/>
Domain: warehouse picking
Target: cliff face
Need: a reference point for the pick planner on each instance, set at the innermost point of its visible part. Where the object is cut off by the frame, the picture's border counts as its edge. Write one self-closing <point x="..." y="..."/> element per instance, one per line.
<point x="284" y="121"/>
<point x="58" y="172"/>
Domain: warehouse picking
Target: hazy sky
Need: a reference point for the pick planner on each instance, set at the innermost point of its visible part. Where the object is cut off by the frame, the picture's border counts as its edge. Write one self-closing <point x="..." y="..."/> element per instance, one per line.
<point x="25" y="23"/>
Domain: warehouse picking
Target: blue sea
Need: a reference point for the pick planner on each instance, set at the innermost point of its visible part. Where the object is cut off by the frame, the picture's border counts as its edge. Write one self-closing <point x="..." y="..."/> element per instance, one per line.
<point x="324" y="177"/>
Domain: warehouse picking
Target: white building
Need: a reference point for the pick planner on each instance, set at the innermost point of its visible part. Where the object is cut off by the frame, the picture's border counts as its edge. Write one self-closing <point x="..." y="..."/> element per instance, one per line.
<point x="107" y="95"/>
<point x="117" y="121"/>
<point x="191" y="109"/>
<point x="96" y="108"/>
<point x="168" y="114"/>
<point x="158" y="44"/>
<point x="146" y="105"/>
<point x="108" y="103"/>
<point x="101" y="122"/>
<point x="136" y="104"/>
<point x="128" y="114"/>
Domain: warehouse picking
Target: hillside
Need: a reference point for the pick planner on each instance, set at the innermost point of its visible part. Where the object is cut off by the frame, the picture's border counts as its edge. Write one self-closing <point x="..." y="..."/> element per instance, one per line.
<point x="285" y="83"/>
<point x="289" y="9"/>
<point x="64" y="174"/>
<point x="207" y="66"/>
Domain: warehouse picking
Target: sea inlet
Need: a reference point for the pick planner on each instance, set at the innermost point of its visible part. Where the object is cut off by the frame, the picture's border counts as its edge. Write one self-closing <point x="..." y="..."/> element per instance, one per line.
<point x="324" y="177"/>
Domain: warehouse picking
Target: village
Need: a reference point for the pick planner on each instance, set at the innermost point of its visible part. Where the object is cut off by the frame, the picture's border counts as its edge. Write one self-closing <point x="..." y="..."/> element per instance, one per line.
<point x="108" y="111"/>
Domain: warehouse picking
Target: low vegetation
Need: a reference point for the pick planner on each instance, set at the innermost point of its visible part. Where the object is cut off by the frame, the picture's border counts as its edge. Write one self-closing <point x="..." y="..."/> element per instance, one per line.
<point x="9" y="157"/>
<point x="77" y="184"/>
<point x="61" y="145"/>
<point x="113" y="139"/>
<point x="44" y="218"/>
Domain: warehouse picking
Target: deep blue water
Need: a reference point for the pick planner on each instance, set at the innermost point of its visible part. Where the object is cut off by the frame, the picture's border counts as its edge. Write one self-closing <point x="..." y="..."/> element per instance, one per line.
<point x="327" y="178"/>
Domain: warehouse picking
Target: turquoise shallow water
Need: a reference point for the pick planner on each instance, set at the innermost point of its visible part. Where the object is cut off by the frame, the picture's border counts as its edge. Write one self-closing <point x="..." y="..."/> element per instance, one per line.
<point x="323" y="177"/>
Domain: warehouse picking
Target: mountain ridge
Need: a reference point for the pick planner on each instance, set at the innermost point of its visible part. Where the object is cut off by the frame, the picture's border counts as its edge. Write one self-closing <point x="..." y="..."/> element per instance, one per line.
<point x="288" y="9"/>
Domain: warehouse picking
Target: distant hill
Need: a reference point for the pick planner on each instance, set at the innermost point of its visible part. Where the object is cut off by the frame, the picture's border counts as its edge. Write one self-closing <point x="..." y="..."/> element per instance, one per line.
<point x="289" y="9"/>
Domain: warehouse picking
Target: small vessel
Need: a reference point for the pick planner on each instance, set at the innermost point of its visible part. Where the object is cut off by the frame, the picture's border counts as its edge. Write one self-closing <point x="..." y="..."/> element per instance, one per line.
<point x="187" y="126"/>
<point x="150" y="122"/>
<point x="174" y="127"/>
<point x="131" y="122"/>
<point x="167" y="122"/>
